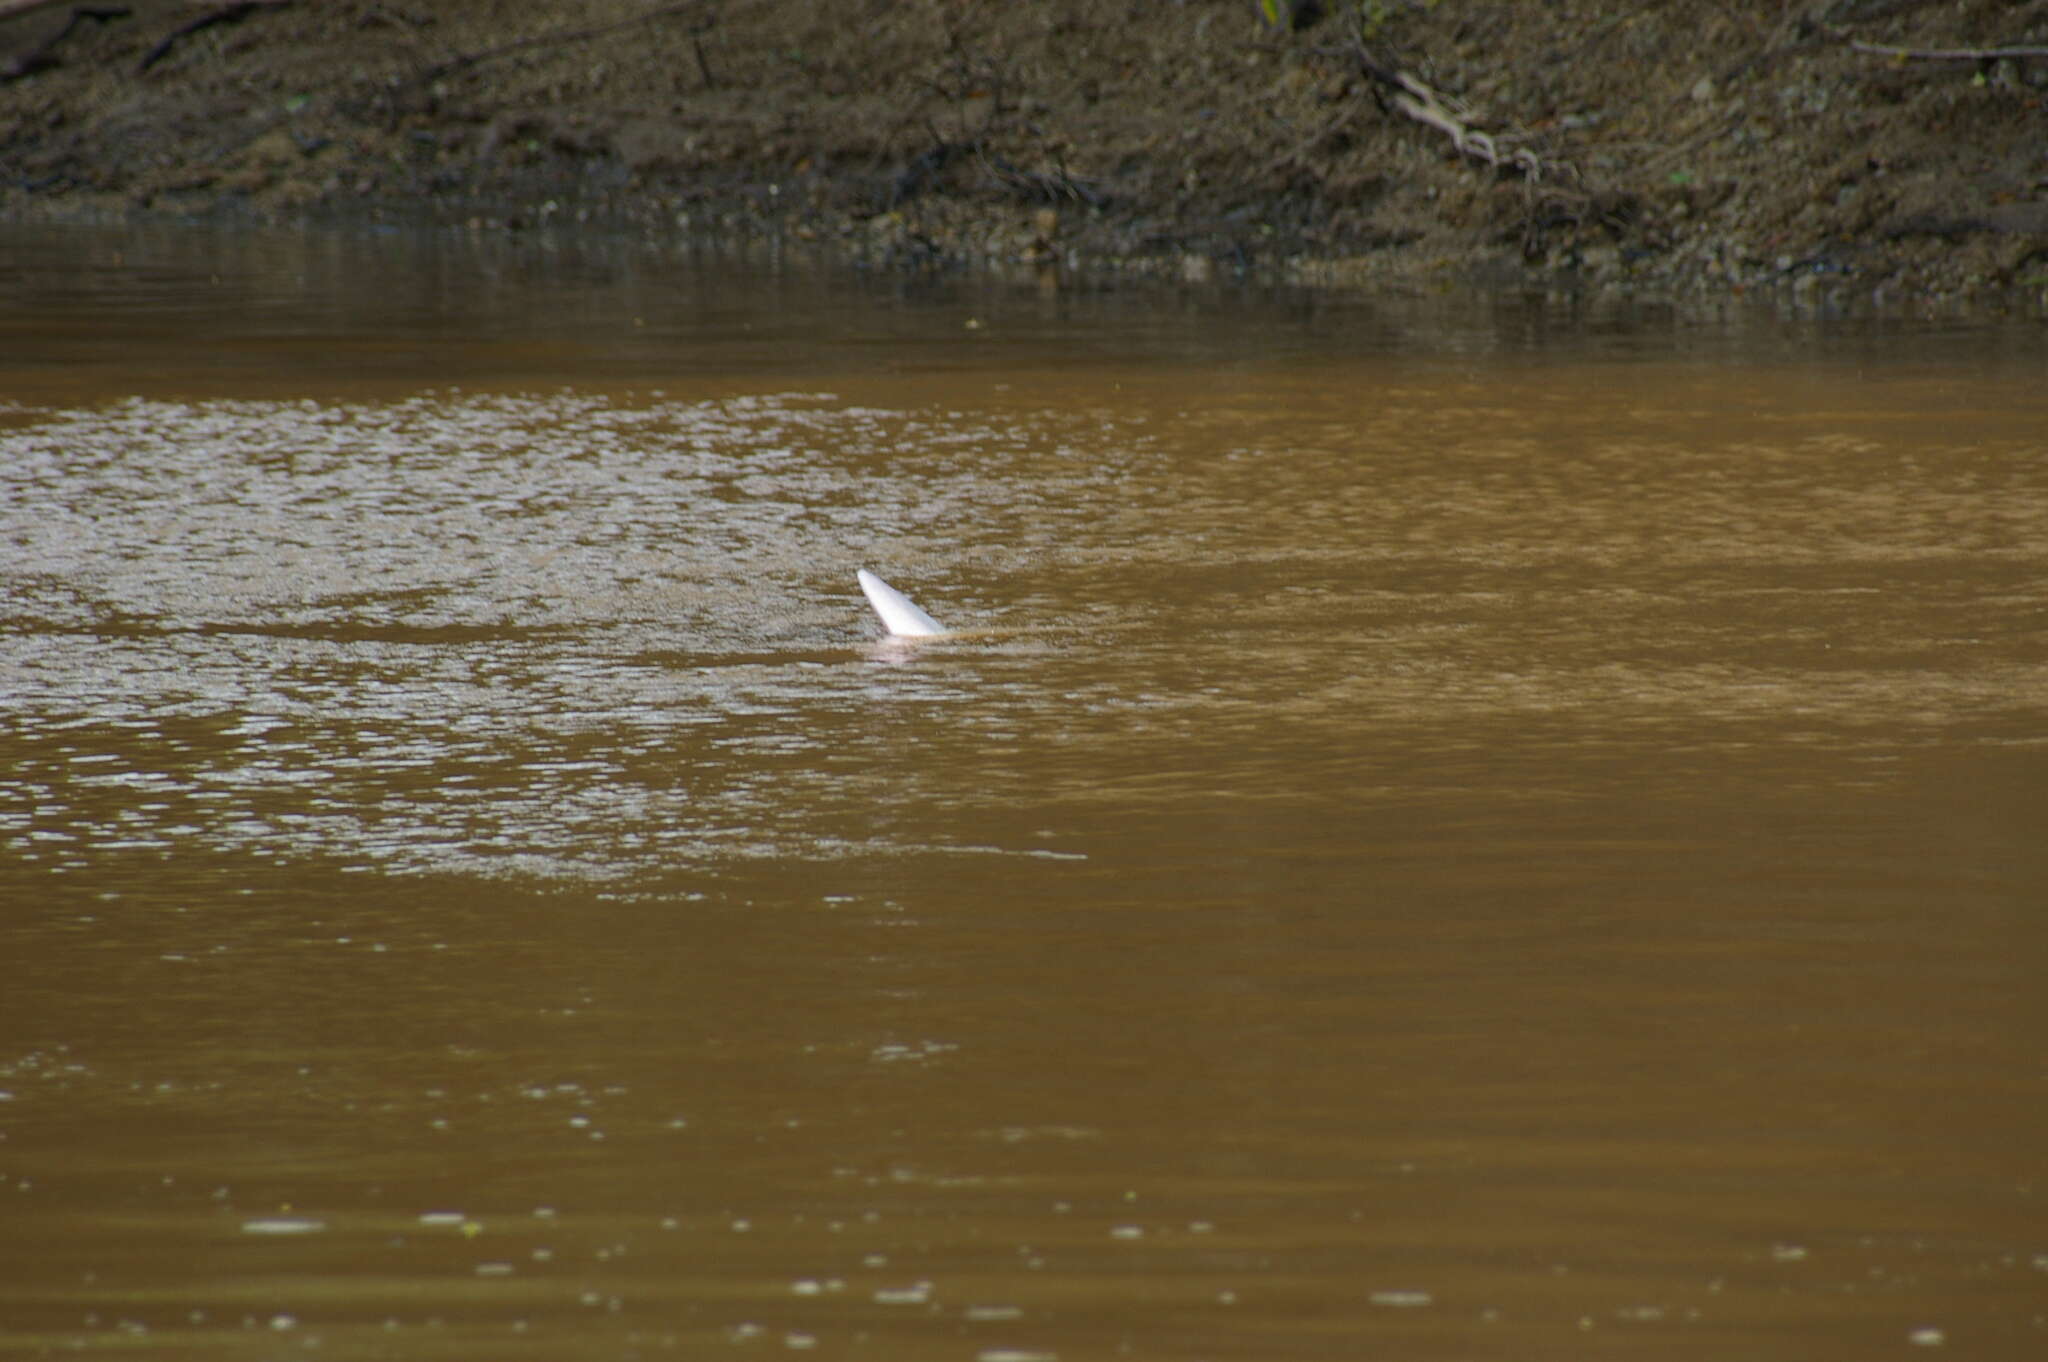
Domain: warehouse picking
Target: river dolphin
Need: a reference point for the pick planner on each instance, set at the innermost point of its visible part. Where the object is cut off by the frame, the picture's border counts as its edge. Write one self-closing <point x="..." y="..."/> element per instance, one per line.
<point x="899" y="615"/>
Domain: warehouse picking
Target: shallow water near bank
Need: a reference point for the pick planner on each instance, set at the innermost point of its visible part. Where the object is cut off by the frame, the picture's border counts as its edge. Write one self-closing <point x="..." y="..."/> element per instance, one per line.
<point x="1445" y="828"/>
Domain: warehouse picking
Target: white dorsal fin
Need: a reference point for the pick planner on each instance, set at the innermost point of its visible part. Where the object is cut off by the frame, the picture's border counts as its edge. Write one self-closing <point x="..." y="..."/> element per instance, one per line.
<point x="899" y="615"/>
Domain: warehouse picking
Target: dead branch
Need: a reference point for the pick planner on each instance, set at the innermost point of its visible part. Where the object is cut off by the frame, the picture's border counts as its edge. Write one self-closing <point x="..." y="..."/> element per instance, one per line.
<point x="1949" y="53"/>
<point x="1039" y="186"/>
<point x="1416" y="99"/>
<point x="1424" y="105"/>
<point x="464" y="60"/>
<point x="226" y="14"/>
<point x="40" y="56"/>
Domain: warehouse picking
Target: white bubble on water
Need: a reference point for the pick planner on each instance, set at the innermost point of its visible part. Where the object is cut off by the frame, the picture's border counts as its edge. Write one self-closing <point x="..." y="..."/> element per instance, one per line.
<point x="283" y="1225"/>
<point x="1401" y="1299"/>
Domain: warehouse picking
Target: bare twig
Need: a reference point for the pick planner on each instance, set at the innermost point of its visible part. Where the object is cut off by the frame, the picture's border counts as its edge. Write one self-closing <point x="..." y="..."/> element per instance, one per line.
<point x="697" y="32"/>
<point x="1298" y="154"/>
<point x="226" y="14"/>
<point x="1715" y="128"/>
<point x="1949" y="53"/>
<point x="911" y="182"/>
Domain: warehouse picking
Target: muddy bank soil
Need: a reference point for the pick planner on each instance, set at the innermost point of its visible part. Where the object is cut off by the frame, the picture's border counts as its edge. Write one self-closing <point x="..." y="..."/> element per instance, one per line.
<point x="1886" y="148"/>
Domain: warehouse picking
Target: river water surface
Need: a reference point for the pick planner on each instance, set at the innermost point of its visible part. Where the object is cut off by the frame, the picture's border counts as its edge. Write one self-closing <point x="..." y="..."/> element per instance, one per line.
<point x="1444" y="829"/>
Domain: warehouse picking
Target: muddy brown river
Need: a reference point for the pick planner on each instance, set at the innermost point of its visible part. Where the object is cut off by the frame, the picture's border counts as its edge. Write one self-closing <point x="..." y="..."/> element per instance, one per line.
<point x="1443" y="828"/>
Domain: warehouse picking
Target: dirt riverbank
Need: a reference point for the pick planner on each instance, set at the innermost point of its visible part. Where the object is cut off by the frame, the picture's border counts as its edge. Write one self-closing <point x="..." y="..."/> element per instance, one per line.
<point x="1885" y="148"/>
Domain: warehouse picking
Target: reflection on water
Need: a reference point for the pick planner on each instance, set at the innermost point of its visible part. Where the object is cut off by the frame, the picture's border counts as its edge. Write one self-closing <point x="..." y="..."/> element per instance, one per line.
<point x="1444" y="850"/>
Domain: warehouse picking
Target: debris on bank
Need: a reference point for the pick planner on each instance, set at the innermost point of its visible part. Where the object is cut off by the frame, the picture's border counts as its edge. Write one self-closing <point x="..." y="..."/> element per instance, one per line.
<point x="1859" y="147"/>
